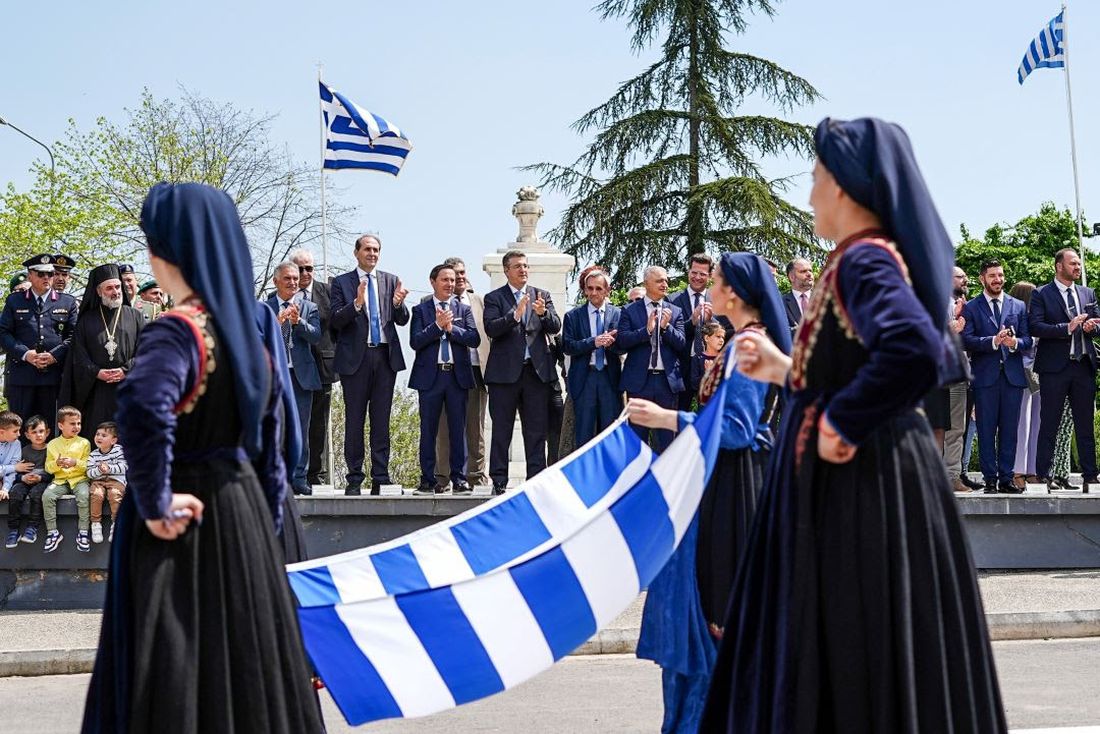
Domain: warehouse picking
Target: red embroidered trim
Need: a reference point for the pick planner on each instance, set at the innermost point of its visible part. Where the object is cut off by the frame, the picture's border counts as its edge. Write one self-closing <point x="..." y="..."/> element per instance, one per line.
<point x="200" y="341"/>
<point x="805" y="430"/>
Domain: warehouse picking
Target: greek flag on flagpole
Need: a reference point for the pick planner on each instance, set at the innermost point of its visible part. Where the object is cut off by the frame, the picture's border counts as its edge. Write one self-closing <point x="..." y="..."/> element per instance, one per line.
<point x="1045" y="51"/>
<point x="478" y="604"/>
<point x="356" y="138"/>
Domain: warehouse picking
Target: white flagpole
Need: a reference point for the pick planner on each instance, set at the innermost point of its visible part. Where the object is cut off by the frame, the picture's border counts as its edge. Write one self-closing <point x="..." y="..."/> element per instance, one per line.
<point x="330" y="466"/>
<point x="1073" y="148"/>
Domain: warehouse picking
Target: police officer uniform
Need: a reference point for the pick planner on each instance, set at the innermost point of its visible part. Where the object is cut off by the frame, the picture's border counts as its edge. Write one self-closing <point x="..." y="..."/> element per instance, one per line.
<point x="33" y="323"/>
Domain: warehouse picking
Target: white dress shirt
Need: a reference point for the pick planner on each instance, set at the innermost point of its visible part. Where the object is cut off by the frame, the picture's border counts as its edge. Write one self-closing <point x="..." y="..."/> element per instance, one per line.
<point x="363" y="275"/>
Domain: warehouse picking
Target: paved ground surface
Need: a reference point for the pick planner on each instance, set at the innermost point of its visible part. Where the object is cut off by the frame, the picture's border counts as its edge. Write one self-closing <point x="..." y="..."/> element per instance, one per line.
<point x="1048" y="591"/>
<point x="1044" y="683"/>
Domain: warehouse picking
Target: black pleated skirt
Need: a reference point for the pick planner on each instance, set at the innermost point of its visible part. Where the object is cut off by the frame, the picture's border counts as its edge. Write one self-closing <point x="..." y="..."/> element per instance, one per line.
<point x="725" y="519"/>
<point x="856" y="607"/>
<point x="200" y="634"/>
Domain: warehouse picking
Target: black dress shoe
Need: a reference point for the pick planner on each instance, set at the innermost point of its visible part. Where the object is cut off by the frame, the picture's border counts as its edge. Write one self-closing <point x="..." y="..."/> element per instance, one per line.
<point x="498" y="489"/>
<point x="352" y="490"/>
<point x="375" y="488"/>
<point x="428" y="488"/>
<point x="304" y="490"/>
<point x="1065" y="483"/>
<point x="965" y="479"/>
<point x="991" y="488"/>
<point x="461" y="487"/>
<point x="1009" y="488"/>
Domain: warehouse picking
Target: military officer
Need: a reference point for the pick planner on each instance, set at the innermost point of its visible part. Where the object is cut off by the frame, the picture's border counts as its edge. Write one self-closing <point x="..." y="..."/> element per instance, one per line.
<point x="36" y="327"/>
<point x="62" y="272"/>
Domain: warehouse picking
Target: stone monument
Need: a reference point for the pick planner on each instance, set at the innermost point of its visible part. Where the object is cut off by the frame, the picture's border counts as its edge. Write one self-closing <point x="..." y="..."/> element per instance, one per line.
<point x="550" y="269"/>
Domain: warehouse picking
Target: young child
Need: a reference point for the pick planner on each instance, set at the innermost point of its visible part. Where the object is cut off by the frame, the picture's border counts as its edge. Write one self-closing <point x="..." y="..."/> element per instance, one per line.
<point x="11" y="459"/>
<point x="714" y="338"/>
<point x="67" y="460"/>
<point x="107" y="470"/>
<point x="25" y="499"/>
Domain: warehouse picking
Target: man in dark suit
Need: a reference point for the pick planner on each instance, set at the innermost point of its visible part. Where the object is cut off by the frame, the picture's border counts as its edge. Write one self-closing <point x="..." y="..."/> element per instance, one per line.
<point x="443" y="332"/>
<point x="651" y="335"/>
<point x="518" y="319"/>
<point x="367" y="307"/>
<point x="996" y="335"/>
<point x="588" y="333"/>
<point x="36" y="327"/>
<point x="694" y="302"/>
<point x="300" y="324"/>
<point x="800" y="273"/>
<point x="318" y="293"/>
<point x="1063" y="317"/>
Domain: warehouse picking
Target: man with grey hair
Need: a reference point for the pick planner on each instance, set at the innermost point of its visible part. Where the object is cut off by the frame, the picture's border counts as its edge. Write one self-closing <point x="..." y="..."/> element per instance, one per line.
<point x="477" y="401"/>
<point x="300" y="325"/>
<point x="318" y="293"/>
<point x="651" y="335"/>
<point x="518" y="319"/>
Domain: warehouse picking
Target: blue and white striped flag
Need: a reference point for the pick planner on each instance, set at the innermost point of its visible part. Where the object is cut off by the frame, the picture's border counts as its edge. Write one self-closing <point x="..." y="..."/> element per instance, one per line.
<point x="476" y="605"/>
<point x="1046" y="51"/>
<point x="356" y="138"/>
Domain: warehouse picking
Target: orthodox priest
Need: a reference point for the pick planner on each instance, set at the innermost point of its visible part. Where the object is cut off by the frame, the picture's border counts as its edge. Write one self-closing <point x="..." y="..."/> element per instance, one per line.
<point x="102" y="349"/>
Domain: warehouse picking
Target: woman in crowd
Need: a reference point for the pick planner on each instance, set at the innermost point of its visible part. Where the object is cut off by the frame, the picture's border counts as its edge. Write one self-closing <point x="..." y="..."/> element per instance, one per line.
<point x="199" y="629"/>
<point x="1027" y="433"/>
<point x="856" y="605"/>
<point x="686" y="604"/>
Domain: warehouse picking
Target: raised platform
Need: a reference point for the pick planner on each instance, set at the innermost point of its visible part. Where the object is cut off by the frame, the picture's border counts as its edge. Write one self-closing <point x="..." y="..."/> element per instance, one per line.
<point x="1030" y="531"/>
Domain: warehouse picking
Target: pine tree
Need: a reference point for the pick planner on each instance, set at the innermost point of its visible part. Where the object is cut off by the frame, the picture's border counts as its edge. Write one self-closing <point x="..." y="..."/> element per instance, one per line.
<point x="673" y="170"/>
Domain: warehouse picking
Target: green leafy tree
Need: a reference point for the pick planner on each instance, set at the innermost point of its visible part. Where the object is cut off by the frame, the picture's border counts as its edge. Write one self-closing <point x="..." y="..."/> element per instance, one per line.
<point x="673" y="169"/>
<point x="1025" y="249"/>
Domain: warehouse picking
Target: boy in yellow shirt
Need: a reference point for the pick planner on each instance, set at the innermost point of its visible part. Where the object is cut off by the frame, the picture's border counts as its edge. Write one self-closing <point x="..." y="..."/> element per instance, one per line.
<point x="67" y="461"/>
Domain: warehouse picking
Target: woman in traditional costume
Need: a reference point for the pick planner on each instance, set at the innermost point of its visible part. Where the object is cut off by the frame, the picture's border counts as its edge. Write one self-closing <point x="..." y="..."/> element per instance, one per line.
<point x="856" y="605"/>
<point x="199" y="629"/>
<point x="686" y="603"/>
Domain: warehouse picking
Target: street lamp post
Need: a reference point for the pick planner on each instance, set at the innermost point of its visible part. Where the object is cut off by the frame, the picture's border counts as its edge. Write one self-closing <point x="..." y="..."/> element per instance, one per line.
<point x="30" y="137"/>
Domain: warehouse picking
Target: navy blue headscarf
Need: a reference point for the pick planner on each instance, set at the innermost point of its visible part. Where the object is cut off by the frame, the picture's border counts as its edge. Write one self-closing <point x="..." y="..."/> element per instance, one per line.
<point x="873" y="162"/>
<point x="751" y="279"/>
<point x="196" y="228"/>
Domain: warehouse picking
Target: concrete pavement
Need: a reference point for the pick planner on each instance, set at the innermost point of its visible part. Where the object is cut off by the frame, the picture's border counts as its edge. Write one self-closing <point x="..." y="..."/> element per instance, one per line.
<point x="1019" y="606"/>
<point x="1044" y="686"/>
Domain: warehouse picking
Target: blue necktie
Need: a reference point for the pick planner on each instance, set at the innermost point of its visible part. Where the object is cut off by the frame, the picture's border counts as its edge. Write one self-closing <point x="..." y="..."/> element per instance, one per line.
<point x="600" y="358"/>
<point x="997" y="318"/>
<point x="444" y="343"/>
<point x="527" y="348"/>
<point x="375" y="324"/>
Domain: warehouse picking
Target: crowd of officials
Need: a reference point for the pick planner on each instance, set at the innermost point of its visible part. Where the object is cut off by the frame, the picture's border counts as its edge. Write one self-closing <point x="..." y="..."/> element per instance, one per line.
<point x="500" y="355"/>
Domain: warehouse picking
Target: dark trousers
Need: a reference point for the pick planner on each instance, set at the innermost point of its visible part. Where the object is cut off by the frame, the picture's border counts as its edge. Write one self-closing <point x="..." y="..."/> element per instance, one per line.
<point x="555" y="416"/>
<point x="445" y="391"/>
<point x="25" y="503"/>
<point x="477" y="406"/>
<point x="303" y="399"/>
<point x="596" y="406"/>
<point x="28" y="400"/>
<point x="1076" y="381"/>
<point x="997" y="411"/>
<point x="369" y="390"/>
<point x="317" y="471"/>
<point x="657" y="390"/>
<point x="530" y="396"/>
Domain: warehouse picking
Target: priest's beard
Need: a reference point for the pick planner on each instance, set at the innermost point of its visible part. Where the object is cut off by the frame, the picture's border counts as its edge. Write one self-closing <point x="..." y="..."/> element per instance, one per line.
<point x="112" y="303"/>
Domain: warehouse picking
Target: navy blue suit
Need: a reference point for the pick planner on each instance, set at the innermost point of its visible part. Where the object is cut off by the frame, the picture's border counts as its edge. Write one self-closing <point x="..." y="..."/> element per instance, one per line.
<point x="693" y="335"/>
<point x="638" y="378"/>
<point x="367" y="373"/>
<point x="24" y="327"/>
<point x="1061" y="376"/>
<point x="442" y="384"/>
<point x="597" y="400"/>
<point x="998" y="381"/>
<point x="304" y="377"/>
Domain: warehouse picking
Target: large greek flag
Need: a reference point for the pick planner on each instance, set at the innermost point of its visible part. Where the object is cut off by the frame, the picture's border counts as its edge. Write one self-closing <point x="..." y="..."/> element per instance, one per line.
<point x="355" y="138"/>
<point x="1046" y="51"/>
<point x="476" y="605"/>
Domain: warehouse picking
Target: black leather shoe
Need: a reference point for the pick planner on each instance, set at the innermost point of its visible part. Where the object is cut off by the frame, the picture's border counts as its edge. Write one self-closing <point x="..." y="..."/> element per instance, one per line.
<point x="965" y="479"/>
<point x="461" y="487"/>
<point x="352" y="490"/>
<point x="1087" y="481"/>
<point x="375" y="488"/>
<point x="304" y="490"/>
<point x="1009" y="488"/>
<point x="991" y="488"/>
<point x="498" y="489"/>
<point x="428" y="488"/>
<point x="1065" y="483"/>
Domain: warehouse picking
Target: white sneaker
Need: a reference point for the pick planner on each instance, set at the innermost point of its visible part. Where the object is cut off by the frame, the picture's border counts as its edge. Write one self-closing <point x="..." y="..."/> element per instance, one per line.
<point x="97" y="532"/>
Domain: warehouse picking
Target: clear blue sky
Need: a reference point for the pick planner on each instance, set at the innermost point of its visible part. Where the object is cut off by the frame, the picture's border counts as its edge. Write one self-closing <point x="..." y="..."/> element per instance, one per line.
<point x="483" y="87"/>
